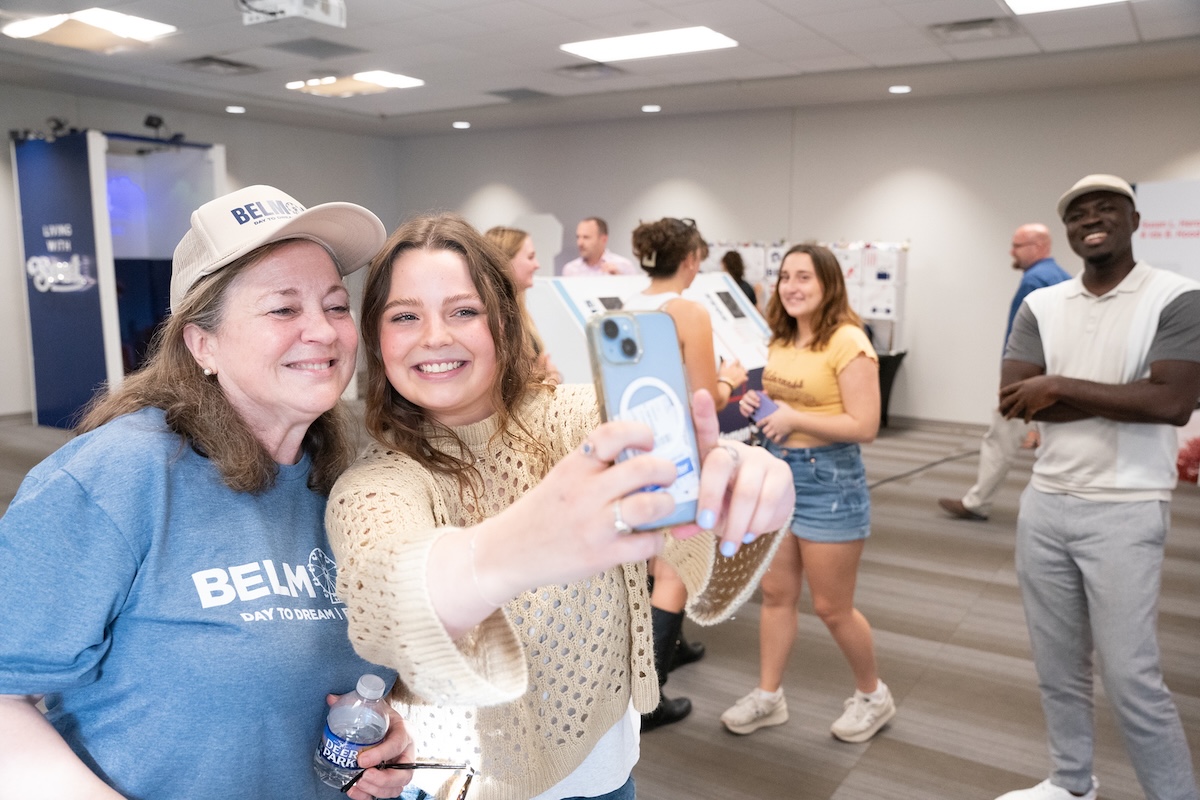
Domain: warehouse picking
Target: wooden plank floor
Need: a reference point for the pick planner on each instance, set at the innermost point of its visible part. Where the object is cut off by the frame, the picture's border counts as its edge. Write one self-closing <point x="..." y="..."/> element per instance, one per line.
<point x="942" y="597"/>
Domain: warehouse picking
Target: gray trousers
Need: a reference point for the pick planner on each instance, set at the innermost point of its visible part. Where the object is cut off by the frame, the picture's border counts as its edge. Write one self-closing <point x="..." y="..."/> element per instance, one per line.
<point x="1090" y="574"/>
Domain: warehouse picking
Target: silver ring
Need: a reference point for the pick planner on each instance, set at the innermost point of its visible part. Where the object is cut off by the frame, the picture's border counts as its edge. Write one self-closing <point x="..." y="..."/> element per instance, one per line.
<point x="589" y="449"/>
<point x="733" y="453"/>
<point x="619" y="524"/>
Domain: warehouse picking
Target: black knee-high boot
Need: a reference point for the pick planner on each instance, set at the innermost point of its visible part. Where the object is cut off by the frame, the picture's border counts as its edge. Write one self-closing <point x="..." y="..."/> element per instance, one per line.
<point x="665" y="625"/>
<point x="686" y="652"/>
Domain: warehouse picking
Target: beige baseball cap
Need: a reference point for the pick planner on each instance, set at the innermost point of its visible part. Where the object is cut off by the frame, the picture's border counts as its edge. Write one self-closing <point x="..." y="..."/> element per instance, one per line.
<point x="225" y="229"/>
<point x="1095" y="183"/>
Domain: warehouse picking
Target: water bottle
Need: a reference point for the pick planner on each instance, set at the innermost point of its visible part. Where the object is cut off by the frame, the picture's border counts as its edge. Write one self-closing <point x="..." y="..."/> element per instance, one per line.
<point x="357" y="720"/>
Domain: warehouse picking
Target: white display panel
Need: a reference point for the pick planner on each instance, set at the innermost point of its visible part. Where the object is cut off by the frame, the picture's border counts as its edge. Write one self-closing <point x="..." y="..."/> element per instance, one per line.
<point x="560" y="308"/>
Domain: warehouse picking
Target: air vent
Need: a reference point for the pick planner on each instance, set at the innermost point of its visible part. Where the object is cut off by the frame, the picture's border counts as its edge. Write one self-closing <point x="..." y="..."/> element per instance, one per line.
<point x="975" y="30"/>
<point x="517" y="95"/>
<point x="219" y="66"/>
<point x="589" y="72"/>
<point x="319" y="49"/>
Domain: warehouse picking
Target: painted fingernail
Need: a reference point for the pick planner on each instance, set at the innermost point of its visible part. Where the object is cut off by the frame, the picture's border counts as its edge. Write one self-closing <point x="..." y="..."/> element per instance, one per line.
<point x="748" y="538"/>
<point x="728" y="549"/>
<point x="707" y="519"/>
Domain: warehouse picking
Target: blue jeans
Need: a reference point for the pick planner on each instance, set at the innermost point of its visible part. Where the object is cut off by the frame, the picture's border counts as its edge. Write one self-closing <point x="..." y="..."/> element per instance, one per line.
<point x="626" y="792"/>
<point x="832" y="501"/>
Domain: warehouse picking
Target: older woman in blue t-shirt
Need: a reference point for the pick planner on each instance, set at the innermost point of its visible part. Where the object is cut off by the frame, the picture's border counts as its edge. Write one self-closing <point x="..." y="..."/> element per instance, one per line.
<point x="170" y="594"/>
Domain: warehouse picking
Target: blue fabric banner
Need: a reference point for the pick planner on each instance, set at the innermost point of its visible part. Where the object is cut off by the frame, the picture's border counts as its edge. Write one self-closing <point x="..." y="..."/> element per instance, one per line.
<point x="60" y="268"/>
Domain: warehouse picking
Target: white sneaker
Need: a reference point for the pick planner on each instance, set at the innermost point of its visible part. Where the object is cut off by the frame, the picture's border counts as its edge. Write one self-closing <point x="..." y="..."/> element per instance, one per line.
<point x="863" y="716"/>
<point x="1049" y="791"/>
<point x="756" y="710"/>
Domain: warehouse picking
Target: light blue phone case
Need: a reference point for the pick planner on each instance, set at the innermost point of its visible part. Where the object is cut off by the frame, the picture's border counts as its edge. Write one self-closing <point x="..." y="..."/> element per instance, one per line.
<point x="638" y="370"/>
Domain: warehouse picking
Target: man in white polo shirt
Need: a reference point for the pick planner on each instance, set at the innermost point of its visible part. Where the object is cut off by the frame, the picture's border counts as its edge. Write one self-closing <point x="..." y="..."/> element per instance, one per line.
<point x="1109" y="361"/>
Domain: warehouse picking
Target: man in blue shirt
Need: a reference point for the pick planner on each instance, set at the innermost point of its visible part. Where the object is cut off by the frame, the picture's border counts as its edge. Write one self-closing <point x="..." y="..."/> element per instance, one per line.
<point x="1030" y="254"/>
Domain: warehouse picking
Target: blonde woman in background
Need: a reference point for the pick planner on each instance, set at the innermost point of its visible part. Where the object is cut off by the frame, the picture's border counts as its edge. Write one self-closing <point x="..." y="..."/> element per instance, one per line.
<point x="518" y="246"/>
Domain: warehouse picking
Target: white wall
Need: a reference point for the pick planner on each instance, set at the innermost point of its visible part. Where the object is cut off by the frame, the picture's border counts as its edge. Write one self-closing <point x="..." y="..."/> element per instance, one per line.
<point x="954" y="176"/>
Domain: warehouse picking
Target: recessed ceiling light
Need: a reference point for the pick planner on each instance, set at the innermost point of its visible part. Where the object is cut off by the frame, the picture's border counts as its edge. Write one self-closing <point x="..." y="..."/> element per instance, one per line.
<point x="899" y="89"/>
<point x="462" y="125"/>
<point x="235" y="109"/>
<point x="646" y="45"/>
<point x="372" y="82"/>
<point x="96" y="29"/>
<point x="651" y="108"/>
<point x="1041" y="6"/>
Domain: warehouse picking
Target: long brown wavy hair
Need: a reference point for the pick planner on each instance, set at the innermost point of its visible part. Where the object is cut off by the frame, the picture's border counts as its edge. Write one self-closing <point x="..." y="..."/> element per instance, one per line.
<point x="834" y="310"/>
<point x="197" y="409"/>
<point x="394" y="420"/>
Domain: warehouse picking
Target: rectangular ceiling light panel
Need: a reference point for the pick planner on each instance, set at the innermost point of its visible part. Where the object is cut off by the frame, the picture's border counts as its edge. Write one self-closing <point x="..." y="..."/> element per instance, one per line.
<point x="96" y="29"/>
<point x="1042" y="6"/>
<point x="648" y="45"/>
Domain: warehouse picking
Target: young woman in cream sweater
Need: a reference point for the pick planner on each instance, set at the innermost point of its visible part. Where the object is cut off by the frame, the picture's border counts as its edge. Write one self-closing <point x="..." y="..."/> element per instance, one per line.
<point x="484" y="537"/>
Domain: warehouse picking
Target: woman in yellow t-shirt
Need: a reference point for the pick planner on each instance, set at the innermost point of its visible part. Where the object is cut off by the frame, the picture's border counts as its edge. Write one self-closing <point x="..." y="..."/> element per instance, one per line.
<point x="824" y="375"/>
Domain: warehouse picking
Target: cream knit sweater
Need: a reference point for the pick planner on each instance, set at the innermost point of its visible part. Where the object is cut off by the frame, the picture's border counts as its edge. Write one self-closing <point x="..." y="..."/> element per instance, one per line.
<point x="525" y="696"/>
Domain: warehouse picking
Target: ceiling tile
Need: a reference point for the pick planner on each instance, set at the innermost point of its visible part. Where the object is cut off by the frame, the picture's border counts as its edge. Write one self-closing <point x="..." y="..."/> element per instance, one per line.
<point x="937" y="12"/>
<point x="833" y="63"/>
<point x="850" y="22"/>
<point x="992" y="48"/>
<point x="466" y="48"/>
<point x="905" y="58"/>
<point x="1080" y="40"/>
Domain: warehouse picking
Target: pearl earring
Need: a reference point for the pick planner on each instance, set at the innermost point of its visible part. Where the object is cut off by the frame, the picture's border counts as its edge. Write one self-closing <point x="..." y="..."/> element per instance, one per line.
<point x="208" y="372"/>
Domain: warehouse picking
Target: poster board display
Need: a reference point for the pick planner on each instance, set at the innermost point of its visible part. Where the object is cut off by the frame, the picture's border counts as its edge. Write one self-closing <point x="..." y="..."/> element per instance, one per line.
<point x="1168" y="237"/>
<point x="560" y="308"/>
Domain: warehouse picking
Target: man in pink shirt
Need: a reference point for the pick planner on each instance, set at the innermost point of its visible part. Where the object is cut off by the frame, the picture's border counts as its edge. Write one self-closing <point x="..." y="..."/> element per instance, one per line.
<point x="591" y="237"/>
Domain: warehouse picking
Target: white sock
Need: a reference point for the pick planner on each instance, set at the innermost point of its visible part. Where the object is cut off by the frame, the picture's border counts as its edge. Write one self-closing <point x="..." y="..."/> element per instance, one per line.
<point x="878" y="694"/>
<point x="775" y="695"/>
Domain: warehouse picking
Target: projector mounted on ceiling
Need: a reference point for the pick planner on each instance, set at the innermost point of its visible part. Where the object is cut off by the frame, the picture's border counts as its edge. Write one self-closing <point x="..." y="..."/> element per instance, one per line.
<point x="327" y="12"/>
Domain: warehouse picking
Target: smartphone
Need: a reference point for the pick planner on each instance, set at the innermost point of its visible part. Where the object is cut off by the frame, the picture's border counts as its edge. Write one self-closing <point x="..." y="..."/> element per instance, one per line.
<point x="638" y="370"/>
<point x="766" y="407"/>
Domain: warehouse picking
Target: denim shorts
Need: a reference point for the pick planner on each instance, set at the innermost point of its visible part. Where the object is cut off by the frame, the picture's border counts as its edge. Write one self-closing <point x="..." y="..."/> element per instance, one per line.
<point x="832" y="501"/>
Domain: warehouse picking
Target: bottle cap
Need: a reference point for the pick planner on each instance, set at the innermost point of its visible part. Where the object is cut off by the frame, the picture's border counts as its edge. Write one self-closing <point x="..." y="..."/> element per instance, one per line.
<point x="370" y="687"/>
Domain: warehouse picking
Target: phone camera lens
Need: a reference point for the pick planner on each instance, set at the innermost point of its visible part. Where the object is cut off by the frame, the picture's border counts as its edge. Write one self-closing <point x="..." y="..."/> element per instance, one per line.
<point x="629" y="347"/>
<point x="610" y="329"/>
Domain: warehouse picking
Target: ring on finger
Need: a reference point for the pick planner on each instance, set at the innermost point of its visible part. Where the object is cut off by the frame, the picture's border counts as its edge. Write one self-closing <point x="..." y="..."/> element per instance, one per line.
<point x="733" y="454"/>
<point x="588" y="448"/>
<point x="619" y="523"/>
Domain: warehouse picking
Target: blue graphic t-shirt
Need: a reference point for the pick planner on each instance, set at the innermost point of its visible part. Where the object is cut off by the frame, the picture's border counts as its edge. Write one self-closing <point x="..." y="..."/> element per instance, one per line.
<point x="184" y="635"/>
